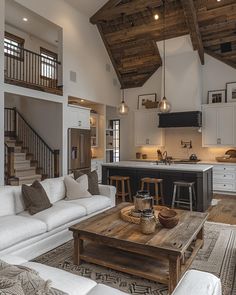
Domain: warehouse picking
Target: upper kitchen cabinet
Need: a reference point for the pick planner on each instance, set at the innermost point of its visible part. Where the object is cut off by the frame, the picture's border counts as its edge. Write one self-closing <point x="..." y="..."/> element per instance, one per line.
<point x="78" y="117"/>
<point x="219" y="125"/>
<point x="146" y="128"/>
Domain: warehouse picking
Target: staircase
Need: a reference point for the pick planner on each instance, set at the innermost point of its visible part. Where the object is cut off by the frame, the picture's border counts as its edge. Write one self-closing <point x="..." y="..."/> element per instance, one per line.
<point x="27" y="156"/>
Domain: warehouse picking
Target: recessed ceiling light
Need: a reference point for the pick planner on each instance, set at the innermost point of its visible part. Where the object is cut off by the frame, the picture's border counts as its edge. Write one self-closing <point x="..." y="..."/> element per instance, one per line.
<point x="218" y="0"/>
<point x="25" y="19"/>
<point x="156" y="16"/>
<point x="82" y="100"/>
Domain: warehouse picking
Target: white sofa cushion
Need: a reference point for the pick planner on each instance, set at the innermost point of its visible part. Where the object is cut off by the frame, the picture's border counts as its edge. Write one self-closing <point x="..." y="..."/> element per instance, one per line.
<point x="15" y="228"/>
<point x="93" y="204"/>
<point x="55" y="188"/>
<point x="105" y="290"/>
<point x="7" y="203"/>
<point x="60" y="213"/>
<point x="196" y="282"/>
<point x="65" y="281"/>
<point x="11" y="259"/>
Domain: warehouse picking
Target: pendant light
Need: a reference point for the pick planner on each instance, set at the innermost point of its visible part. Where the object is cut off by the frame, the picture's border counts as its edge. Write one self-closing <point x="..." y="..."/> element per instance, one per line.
<point x="164" y="105"/>
<point x="123" y="109"/>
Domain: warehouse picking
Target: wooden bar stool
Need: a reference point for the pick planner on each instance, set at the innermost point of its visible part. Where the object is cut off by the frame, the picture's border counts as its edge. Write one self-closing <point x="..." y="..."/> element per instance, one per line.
<point x="158" y="188"/>
<point x="176" y="194"/>
<point x="121" y="182"/>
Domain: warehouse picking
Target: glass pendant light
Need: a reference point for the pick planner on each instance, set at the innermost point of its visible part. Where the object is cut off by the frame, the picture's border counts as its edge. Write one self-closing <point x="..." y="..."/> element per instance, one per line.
<point x="164" y="105"/>
<point x="123" y="109"/>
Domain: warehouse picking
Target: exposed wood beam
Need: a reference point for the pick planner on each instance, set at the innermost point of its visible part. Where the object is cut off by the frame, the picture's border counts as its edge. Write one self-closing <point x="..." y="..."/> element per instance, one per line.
<point x="110" y="54"/>
<point x="108" y="13"/>
<point x="191" y="17"/>
<point x="105" y="7"/>
<point x="220" y="58"/>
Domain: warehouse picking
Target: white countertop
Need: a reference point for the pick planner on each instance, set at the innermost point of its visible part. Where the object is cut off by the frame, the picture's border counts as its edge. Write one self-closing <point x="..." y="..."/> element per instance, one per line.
<point x="152" y="165"/>
<point x="203" y="162"/>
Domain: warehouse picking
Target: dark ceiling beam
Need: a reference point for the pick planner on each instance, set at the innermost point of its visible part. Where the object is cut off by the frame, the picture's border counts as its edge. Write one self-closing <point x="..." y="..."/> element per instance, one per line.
<point x="105" y="7"/>
<point x="132" y="7"/>
<point x="220" y="58"/>
<point x="192" y="22"/>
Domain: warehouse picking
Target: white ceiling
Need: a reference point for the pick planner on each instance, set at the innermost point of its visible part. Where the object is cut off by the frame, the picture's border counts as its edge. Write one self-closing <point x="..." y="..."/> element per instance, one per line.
<point x="89" y="7"/>
<point x="36" y="25"/>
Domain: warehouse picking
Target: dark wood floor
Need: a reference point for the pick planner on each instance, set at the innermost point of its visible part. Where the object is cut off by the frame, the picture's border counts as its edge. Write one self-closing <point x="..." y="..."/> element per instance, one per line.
<point x="224" y="211"/>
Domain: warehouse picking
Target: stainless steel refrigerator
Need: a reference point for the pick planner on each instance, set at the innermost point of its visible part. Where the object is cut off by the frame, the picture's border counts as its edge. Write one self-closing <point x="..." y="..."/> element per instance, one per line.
<point x="79" y="150"/>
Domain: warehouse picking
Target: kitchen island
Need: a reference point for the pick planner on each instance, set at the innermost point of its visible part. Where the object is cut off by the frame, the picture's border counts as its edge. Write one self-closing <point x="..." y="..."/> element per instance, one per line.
<point x="200" y="174"/>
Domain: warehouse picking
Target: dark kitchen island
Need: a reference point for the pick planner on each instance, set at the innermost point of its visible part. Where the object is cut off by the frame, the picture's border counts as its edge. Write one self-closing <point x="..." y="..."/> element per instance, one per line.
<point x="200" y="174"/>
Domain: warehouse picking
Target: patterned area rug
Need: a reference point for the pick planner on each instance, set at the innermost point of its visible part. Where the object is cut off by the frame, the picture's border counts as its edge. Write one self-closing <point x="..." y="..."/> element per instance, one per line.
<point x="218" y="257"/>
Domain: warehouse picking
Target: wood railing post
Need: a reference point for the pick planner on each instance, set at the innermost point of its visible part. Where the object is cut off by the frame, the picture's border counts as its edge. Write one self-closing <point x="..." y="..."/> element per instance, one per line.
<point x="10" y="162"/>
<point x="56" y="163"/>
<point x="15" y="123"/>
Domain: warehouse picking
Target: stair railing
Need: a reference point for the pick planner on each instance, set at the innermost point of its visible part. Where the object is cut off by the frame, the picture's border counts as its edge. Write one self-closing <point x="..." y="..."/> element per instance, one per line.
<point x="47" y="158"/>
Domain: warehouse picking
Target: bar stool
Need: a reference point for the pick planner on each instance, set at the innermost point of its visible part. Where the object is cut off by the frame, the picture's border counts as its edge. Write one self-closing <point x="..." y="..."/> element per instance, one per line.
<point x="176" y="193"/>
<point x="120" y="182"/>
<point x="158" y="188"/>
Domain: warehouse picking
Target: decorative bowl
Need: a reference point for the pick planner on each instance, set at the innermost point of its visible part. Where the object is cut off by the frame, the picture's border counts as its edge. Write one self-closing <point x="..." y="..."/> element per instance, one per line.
<point x="168" y="218"/>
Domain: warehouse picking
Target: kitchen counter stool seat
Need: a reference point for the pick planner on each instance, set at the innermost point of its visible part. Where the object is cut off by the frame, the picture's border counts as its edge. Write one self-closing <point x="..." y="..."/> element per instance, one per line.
<point x="176" y="194"/>
<point x="158" y="187"/>
<point x="121" y="183"/>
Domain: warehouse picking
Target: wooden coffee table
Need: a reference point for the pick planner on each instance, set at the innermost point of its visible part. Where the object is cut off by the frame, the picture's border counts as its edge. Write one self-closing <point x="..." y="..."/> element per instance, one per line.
<point x="163" y="256"/>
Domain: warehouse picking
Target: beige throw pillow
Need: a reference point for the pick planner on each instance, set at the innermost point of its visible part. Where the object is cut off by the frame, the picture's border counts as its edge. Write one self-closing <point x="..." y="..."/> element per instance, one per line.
<point x="76" y="189"/>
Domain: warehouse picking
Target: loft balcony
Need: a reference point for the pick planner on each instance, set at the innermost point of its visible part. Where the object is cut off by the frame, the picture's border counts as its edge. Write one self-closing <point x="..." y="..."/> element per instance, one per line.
<point x="28" y="69"/>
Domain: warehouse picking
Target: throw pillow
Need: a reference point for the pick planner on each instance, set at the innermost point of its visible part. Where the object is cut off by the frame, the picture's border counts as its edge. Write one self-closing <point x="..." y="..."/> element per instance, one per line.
<point x="35" y="198"/>
<point x="76" y="189"/>
<point x="93" y="187"/>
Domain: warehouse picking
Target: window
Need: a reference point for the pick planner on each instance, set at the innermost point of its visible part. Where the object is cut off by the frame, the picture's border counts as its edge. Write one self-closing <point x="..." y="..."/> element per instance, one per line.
<point x="13" y="46"/>
<point x="116" y="140"/>
<point x="48" y="64"/>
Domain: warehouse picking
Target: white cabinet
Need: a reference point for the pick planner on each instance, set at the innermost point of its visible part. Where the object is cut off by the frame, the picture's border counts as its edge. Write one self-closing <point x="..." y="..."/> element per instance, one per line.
<point x="78" y="117"/>
<point x="224" y="178"/>
<point x="96" y="164"/>
<point x="219" y="125"/>
<point x="146" y="128"/>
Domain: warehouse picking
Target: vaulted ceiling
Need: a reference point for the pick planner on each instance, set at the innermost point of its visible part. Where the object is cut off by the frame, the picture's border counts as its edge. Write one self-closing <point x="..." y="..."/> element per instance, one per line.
<point x="130" y="33"/>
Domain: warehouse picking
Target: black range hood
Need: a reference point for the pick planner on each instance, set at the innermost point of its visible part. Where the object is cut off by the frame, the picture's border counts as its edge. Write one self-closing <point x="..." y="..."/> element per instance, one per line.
<point x="180" y="119"/>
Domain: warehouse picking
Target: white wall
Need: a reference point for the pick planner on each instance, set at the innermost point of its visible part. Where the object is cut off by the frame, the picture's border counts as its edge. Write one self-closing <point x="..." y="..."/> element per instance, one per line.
<point x="215" y="75"/>
<point x="45" y="117"/>
<point x="83" y="52"/>
<point x="2" y="9"/>
<point x="31" y="42"/>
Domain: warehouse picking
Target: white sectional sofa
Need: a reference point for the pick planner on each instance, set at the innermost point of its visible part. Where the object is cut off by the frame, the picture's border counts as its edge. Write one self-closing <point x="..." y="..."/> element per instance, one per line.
<point x="192" y="283"/>
<point x="28" y="235"/>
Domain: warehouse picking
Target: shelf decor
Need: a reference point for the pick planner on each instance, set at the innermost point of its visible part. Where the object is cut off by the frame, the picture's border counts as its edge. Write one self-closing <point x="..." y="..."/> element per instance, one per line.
<point x="216" y="96"/>
<point x="231" y="91"/>
<point x="147" y="101"/>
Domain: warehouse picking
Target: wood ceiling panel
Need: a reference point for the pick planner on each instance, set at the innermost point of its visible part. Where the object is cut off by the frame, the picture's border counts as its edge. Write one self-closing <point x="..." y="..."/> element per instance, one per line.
<point x="130" y="32"/>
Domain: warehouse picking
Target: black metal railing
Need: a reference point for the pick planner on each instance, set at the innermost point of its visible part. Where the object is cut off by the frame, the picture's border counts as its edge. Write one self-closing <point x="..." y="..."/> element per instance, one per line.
<point x="47" y="158"/>
<point x="27" y="68"/>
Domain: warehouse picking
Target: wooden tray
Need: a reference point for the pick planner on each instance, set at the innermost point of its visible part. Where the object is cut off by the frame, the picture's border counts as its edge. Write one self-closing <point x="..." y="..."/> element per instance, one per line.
<point x="223" y="159"/>
<point x="125" y="214"/>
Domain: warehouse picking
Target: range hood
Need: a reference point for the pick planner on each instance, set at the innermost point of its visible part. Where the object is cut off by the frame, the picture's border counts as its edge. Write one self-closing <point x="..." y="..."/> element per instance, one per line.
<point x="180" y="119"/>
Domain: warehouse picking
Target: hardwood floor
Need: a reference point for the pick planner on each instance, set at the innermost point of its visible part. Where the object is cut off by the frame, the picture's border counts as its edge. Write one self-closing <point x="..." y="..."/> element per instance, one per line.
<point x="224" y="211"/>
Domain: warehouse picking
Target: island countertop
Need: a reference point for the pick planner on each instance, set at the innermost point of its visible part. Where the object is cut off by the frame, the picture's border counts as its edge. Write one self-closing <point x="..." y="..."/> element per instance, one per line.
<point x="153" y="166"/>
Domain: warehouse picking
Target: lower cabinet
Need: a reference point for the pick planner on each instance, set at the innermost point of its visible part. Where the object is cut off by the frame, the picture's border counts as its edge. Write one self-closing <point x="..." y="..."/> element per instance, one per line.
<point x="224" y="178"/>
<point x="96" y="164"/>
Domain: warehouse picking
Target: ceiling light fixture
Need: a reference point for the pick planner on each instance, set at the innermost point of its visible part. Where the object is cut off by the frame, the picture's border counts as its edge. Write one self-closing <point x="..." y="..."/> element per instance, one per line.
<point x="25" y="19"/>
<point x="156" y="16"/>
<point x="164" y="105"/>
<point x="123" y="109"/>
<point x="82" y="100"/>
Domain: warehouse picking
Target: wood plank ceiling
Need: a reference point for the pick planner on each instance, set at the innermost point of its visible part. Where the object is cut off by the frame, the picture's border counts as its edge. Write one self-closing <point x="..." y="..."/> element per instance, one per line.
<point x="130" y="33"/>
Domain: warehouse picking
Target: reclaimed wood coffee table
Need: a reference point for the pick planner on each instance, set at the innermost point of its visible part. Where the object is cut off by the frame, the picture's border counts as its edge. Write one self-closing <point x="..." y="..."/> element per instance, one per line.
<point x="163" y="256"/>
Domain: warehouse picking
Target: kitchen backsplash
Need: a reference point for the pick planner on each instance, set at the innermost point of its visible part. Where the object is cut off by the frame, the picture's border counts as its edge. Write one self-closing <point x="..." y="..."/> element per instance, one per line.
<point x="174" y="149"/>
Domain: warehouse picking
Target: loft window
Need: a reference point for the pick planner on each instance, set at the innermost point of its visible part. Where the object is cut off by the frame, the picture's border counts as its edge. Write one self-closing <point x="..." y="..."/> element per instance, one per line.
<point x="48" y="64"/>
<point x="13" y="46"/>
